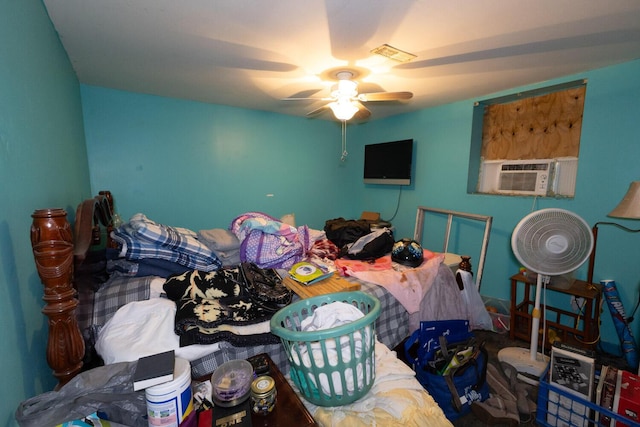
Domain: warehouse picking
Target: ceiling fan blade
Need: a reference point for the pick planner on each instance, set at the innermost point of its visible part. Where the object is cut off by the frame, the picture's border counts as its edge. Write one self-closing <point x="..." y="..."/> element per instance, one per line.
<point x="307" y="99"/>
<point x="384" y="96"/>
<point x="363" y="112"/>
<point x="318" y="110"/>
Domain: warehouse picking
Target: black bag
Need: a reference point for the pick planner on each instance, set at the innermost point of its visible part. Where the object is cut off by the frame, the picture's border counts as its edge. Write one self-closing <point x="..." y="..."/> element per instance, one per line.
<point x="372" y="246"/>
<point x="265" y="286"/>
<point x="342" y="231"/>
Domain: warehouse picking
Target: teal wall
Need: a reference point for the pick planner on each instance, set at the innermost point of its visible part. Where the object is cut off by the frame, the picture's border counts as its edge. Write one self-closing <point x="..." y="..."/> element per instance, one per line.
<point x="43" y="163"/>
<point x="199" y="165"/>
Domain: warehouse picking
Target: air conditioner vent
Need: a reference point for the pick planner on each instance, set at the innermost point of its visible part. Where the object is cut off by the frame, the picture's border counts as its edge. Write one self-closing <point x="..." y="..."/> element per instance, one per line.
<point x="525" y="166"/>
<point x="522" y="181"/>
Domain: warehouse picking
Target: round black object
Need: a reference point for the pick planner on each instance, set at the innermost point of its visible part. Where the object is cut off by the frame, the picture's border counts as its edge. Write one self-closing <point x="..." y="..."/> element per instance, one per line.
<point x="407" y="252"/>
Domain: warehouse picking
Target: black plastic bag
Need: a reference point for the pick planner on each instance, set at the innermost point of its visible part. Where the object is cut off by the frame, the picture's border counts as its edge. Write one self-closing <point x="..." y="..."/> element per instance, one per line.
<point x="374" y="245"/>
<point x="343" y="231"/>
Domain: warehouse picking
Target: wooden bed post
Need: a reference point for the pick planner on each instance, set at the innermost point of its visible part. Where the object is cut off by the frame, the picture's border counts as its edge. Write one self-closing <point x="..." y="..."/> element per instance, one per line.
<point x="52" y="243"/>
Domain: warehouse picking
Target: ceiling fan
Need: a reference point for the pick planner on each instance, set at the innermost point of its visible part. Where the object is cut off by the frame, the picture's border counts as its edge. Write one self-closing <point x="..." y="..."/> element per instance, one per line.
<point x="345" y="102"/>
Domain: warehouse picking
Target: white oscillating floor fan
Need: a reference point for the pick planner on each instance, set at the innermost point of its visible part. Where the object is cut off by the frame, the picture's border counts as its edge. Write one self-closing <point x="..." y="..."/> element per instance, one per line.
<point x="549" y="242"/>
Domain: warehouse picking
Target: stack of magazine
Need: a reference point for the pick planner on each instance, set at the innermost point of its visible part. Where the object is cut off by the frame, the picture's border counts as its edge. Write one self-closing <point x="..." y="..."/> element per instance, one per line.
<point x="572" y="370"/>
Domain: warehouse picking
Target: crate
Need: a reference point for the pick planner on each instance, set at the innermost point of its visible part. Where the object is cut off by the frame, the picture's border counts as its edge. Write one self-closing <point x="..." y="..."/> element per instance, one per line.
<point x="335" y="366"/>
<point x="500" y="319"/>
<point x="571" y="413"/>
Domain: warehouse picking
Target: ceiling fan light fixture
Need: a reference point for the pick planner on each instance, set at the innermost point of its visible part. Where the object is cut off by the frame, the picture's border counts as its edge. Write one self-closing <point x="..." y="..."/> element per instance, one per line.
<point x="345" y="89"/>
<point x="393" y="53"/>
<point x="343" y="109"/>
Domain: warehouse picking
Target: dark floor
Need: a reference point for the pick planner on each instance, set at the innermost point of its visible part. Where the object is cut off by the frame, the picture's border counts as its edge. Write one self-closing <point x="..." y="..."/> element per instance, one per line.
<point x="493" y="343"/>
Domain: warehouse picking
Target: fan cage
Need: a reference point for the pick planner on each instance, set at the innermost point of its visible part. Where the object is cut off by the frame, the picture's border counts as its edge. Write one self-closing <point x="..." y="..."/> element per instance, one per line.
<point x="552" y="241"/>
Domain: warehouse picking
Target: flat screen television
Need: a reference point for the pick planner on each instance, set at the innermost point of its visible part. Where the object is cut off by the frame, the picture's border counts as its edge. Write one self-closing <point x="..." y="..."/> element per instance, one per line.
<point x="388" y="162"/>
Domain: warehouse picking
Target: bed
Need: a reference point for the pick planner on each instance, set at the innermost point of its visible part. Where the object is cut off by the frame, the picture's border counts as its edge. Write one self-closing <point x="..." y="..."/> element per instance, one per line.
<point x="82" y="295"/>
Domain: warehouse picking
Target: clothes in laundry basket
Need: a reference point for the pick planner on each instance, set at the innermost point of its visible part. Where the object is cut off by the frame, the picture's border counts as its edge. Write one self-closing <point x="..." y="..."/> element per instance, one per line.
<point x="330" y="316"/>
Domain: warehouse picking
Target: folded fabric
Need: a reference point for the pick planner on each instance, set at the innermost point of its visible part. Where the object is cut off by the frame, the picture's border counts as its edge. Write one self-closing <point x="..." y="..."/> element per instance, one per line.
<point x="239" y="321"/>
<point x="229" y="258"/>
<point x="143" y="238"/>
<point x="145" y="267"/>
<point x="219" y="239"/>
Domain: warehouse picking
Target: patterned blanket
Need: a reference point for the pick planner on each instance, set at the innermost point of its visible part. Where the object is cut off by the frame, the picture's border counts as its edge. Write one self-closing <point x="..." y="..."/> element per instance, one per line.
<point x="215" y="306"/>
<point x="143" y="238"/>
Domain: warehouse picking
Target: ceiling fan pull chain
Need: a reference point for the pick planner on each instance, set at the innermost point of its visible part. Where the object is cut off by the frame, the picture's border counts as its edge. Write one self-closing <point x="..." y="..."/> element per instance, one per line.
<point x="344" y="155"/>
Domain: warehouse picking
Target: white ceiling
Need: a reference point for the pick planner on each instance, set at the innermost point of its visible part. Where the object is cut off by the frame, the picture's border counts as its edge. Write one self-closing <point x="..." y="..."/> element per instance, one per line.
<point x="253" y="53"/>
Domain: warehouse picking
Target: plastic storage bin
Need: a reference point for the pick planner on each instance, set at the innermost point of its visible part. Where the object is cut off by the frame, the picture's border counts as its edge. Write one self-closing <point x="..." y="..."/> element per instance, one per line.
<point x="330" y="367"/>
<point x="571" y="412"/>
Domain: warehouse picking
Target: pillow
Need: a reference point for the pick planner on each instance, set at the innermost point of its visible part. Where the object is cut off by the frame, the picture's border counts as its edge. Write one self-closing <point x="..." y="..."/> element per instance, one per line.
<point x="118" y="291"/>
<point x="289" y="219"/>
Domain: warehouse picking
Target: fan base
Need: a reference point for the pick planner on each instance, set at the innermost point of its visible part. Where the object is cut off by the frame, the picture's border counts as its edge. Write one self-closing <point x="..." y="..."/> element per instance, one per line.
<point x="520" y="359"/>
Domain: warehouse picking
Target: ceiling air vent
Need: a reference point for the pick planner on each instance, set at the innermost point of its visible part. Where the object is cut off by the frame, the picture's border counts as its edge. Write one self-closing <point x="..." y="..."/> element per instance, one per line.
<point x="393" y="53"/>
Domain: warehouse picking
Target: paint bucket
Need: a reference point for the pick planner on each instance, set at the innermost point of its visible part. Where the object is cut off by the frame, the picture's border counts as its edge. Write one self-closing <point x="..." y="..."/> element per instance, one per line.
<point x="168" y="404"/>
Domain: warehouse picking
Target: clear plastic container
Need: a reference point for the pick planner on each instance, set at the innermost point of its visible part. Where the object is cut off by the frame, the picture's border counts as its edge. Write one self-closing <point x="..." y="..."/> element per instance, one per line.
<point x="231" y="383"/>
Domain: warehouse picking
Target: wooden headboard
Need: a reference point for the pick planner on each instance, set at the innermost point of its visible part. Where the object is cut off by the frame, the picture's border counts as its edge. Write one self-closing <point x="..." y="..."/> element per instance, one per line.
<point x="58" y="253"/>
<point x="91" y="214"/>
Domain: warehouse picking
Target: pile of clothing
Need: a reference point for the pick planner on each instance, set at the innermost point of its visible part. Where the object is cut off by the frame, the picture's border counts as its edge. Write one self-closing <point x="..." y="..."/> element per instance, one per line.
<point x="148" y="248"/>
<point x="160" y="249"/>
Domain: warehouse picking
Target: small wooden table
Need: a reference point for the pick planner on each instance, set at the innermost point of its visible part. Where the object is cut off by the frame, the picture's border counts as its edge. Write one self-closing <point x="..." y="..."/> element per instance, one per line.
<point x="578" y="329"/>
<point x="335" y="283"/>
<point x="289" y="409"/>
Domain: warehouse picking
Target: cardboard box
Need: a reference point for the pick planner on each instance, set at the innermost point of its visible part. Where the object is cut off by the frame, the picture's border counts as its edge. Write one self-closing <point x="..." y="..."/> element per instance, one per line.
<point x="370" y="216"/>
<point x="627" y="399"/>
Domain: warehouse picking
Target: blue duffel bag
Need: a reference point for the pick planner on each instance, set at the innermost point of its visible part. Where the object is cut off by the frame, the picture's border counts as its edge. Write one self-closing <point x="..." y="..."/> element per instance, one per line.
<point x="454" y="376"/>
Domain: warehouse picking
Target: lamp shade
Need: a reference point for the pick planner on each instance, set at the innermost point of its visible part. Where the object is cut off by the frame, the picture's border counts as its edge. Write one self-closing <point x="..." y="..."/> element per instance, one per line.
<point x="343" y="109"/>
<point x="629" y="207"/>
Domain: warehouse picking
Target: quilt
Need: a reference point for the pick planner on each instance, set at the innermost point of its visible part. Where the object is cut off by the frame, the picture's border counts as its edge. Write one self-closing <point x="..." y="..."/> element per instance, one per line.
<point x="214" y="306"/>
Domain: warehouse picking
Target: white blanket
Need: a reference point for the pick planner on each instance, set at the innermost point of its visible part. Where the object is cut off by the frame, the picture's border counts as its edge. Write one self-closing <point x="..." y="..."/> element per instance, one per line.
<point x="143" y="328"/>
<point x="395" y="399"/>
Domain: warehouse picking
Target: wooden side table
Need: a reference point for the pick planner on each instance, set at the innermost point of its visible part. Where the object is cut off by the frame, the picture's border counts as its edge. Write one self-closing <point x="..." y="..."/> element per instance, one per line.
<point x="577" y="329"/>
<point x="289" y="409"/>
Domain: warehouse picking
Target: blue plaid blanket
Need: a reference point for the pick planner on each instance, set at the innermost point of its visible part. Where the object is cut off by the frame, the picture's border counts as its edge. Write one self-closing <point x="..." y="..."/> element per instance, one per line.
<point x="143" y="238"/>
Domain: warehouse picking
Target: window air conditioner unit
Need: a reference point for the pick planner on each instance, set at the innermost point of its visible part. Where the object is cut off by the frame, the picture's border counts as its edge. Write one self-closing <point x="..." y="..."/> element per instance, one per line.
<point x="531" y="177"/>
<point x="525" y="177"/>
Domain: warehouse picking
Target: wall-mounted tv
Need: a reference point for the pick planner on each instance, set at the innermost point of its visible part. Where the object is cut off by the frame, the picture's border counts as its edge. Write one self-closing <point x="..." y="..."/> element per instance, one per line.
<point x="388" y="162"/>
